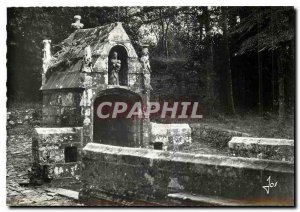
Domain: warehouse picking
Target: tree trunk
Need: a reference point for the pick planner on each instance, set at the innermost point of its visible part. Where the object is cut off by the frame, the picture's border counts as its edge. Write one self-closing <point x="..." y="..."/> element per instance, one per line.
<point x="230" y="102"/>
<point x="209" y="59"/>
<point x="162" y="24"/>
<point x="260" y="75"/>
<point x="260" y="85"/>
<point x="281" y="96"/>
<point x="166" y="40"/>
<point x="273" y="82"/>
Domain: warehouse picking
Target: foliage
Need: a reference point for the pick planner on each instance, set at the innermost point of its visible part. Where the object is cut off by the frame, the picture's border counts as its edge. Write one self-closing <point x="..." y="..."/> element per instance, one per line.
<point x="269" y="28"/>
<point x="190" y="34"/>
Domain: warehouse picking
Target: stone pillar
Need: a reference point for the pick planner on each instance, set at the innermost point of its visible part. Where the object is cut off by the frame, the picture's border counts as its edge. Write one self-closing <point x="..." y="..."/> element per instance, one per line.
<point x="46" y="59"/>
<point x="146" y="69"/>
<point x="146" y="73"/>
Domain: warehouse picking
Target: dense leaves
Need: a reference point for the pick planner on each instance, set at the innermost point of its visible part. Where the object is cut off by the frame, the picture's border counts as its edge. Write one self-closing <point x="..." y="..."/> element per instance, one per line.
<point x="234" y="50"/>
<point x="271" y="27"/>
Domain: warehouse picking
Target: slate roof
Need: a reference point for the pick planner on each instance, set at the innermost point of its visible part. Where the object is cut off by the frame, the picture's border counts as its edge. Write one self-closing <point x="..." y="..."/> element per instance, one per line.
<point x="59" y="80"/>
<point x="65" y="65"/>
<point x="73" y="46"/>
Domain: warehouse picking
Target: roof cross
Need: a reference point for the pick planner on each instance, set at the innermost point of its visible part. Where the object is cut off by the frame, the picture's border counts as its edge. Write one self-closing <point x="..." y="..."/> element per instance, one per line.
<point x="77" y="24"/>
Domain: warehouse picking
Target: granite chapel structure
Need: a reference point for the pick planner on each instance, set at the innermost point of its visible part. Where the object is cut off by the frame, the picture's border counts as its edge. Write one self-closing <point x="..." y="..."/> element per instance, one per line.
<point x="94" y="65"/>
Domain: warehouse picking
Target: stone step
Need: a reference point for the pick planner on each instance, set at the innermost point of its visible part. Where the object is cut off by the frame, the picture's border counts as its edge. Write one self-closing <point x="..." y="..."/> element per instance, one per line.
<point x="201" y="200"/>
<point x="64" y="192"/>
<point x="263" y="148"/>
<point x="186" y="199"/>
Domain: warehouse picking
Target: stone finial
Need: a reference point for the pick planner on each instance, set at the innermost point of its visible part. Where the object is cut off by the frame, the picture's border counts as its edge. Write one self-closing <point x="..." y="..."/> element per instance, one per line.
<point x="77" y="24"/>
<point x="47" y="50"/>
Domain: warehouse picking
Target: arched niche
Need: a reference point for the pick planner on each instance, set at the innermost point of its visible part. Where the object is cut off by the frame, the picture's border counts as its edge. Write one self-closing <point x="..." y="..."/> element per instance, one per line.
<point x="123" y="57"/>
<point x="120" y="131"/>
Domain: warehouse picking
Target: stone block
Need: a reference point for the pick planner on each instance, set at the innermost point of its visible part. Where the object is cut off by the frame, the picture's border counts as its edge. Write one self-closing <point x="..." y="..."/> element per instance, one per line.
<point x="49" y="146"/>
<point x="51" y="111"/>
<point x="63" y="170"/>
<point x="70" y="116"/>
<point x="101" y="65"/>
<point x="173" y="136"/>
<point x="68" y="99"/>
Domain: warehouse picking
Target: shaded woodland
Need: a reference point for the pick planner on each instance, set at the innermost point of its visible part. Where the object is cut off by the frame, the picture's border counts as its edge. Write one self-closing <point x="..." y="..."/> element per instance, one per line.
<point x="243" y="56"/>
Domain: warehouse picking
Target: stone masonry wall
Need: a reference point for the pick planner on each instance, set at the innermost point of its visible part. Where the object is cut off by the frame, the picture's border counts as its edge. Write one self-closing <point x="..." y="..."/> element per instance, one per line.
<point x="150" y="175"/>
<point x="61" y="108"/>
<point x="174" y="81"/>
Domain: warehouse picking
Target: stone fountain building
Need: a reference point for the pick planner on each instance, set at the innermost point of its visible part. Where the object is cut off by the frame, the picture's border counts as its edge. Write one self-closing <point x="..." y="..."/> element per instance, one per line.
<point x="74" y="80"/>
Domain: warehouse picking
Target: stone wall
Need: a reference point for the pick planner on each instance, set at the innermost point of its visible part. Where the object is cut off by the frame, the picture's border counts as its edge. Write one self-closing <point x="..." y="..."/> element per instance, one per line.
<point x="61" y="108"/>
<point x="110" y="172"/>
<point x="214" y="136"/>
<point x="174" y="81"/>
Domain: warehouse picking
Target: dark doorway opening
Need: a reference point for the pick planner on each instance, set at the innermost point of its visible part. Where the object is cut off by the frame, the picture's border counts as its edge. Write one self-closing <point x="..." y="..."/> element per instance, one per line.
<point x="119" y="131"/>
<point x="123" y="56"/>
<point x="70" y="154"/>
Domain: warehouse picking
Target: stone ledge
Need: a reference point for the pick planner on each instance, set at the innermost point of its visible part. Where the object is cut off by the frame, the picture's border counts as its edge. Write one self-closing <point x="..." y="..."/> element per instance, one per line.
<point x="215" y="160"/>
<point x="264" y="148"/>
<point x="57" y="130"/>
<point x="64" y="192"/>
<point x="200" y="200"/>
<point x="261" y="141"/>
<point x="150" y="175"/>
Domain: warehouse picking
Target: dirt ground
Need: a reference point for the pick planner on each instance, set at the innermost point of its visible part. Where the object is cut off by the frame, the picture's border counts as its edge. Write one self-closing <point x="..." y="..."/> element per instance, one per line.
<point x="18" y="154"/>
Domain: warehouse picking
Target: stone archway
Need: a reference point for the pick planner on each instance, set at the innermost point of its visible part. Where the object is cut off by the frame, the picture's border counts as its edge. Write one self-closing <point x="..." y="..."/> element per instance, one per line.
<point x="119" y="131"/>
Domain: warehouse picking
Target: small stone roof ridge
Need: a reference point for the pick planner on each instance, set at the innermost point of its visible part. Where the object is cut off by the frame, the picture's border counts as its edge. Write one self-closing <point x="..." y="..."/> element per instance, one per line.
<point x="73" y="46"/>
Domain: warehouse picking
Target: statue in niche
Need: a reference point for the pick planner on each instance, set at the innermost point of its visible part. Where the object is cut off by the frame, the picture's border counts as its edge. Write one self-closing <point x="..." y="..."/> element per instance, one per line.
<point x="146" y="68"/>
<point x="115" y="68"/>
